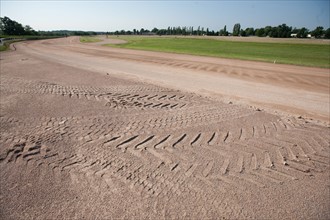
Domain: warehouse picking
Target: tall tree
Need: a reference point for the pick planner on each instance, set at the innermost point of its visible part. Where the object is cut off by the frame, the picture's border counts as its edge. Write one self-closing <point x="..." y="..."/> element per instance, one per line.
<point x="11" y="27"/>
<point x="327" y="34"/>
<point x="168" y="31"/>
<point x="260" y="32"/>
<point x="267" y="31"/>
<point x="154" y="30"/>
<point x="29" y="31"/>
<point x="236" y="29"/>
<point x="282" y="31"/>
<point x="242" y="33"/>
<point x="1" y="26"/>
<point x="318" y="32"/>
<point x="249" y="31"/>
<point x="223" y="32"/>
<point x="184" y="30"/>
<point x="302" y="33"/>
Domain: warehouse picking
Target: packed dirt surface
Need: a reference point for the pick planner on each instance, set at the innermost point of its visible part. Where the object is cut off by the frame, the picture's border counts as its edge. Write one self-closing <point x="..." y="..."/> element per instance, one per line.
<point x="93" y="132"/>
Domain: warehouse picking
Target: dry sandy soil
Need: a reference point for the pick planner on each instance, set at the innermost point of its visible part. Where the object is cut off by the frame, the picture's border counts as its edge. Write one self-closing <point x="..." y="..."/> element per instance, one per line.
<point x="92" y="132"/>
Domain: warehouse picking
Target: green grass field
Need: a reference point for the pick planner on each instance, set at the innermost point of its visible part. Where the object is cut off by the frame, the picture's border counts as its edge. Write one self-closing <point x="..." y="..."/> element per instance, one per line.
<point x="88" y="39"/>
<point x="317" y="55"/>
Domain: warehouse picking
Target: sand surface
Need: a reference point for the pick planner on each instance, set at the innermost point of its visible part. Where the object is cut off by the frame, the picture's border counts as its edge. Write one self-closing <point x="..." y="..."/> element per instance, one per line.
<point x="93" y="132"/>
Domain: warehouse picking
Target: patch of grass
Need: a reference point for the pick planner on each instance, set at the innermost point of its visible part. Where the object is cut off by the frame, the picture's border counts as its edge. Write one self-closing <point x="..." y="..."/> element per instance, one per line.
<point x="316" y="55"/>
<point x="88" y="39"/>
<point x="6" y="45"/>
<point x="3" y="48"/>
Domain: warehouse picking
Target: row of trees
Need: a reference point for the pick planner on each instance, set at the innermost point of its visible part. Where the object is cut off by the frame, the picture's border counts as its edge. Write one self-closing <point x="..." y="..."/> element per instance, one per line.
<point x="11" y="27"/>
<point x="169" y="31"/>
<point x="281" y="31"/>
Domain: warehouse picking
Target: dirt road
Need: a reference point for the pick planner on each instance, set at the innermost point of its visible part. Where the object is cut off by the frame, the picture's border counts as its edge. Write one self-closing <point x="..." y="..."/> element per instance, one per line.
<point x="89" y="131"/>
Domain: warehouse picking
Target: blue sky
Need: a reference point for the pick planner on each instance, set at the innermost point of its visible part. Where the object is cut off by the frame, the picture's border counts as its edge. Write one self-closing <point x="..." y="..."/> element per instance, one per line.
<point x="117" y="15"/>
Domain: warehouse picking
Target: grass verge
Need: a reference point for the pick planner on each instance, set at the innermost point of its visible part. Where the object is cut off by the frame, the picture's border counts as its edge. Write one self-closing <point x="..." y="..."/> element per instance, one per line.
<point x="3" y="47"/>
<point x="6" y="44"/>
<point x="88" y="39"/>
<point x="315" y="55"/>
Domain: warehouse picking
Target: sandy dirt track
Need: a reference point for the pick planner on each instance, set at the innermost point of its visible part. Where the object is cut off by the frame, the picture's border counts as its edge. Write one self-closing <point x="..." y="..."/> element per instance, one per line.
<point x="89" y="131"/>
<point x="297" y="90"/>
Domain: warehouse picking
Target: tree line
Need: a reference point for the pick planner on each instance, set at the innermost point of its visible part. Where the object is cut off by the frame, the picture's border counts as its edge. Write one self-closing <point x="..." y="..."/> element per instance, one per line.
<point x="11" y="27"/>
<point x="169" y="31"/>
<point x="280" y="31"/>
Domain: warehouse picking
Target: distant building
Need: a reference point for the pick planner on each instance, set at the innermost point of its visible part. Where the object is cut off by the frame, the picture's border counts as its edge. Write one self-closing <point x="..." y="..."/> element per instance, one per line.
<point x="295" y="35"/>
